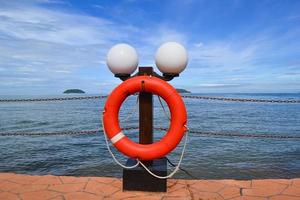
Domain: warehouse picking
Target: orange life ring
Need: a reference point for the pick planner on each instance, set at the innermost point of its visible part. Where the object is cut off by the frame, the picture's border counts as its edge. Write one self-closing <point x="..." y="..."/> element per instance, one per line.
<point x="178" y="118"/>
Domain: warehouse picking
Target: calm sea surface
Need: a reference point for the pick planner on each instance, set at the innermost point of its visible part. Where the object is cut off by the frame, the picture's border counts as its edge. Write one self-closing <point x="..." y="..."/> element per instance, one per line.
<point x="206" y="157"/>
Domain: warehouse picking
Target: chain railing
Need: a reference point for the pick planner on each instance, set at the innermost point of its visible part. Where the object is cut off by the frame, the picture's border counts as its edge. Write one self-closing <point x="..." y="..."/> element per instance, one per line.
<point x="62" y="133"/>
<point x="54" y="99"/>
<point x="184" y="96"/>
<point x="203" y="133"/>
<point x="241" y="99"/>
<point x="198" y="132"/>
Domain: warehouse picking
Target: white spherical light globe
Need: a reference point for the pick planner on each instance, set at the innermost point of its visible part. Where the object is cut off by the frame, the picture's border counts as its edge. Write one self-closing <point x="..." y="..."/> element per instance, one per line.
<point x="122" y="59"/>
<point x="171" y="58"/>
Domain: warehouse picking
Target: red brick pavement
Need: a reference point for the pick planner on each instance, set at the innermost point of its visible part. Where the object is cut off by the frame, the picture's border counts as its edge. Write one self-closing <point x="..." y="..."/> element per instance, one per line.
<point x="25" y="187"/>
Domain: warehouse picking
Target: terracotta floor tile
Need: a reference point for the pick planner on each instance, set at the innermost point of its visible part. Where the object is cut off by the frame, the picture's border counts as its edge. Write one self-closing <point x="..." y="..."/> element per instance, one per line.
<point x="147" y="197"/>
<point x="282" y="181"/>
<point x="238" y="183"/>
<point x="7" y="176"/>
<point x="47" y="180"/>
<point x="293" y="191"/>
<point x="27" y="188"/>
<point x="174" y="186"/>
<point x="73" y="179"/>
<point x="191" y="182"/>
<point x="178" y="181"/>
<point x="264" y="188"/>
<point x="82" y="196"/>
<point x="58" y="198"/>
<point x="182" y="192"/>
<point x="100" y="188"/>
<point x="230" y="192"/>
<point x="122" y="195"/>
<point x="7" y="185"/>
<point x="117" y="183"/>
<point x="24" y="179"/>
<point x="284" y="197"/>
<point x="250" y="198"/>
<point x="8" y="196"/>
<point x="103" y="179"/>
<point x="268" y="183"/>
<point x="262" y="192"/>
<point x="141" y="193"/>
<point x="176" y="198"/>
<point x="207" y="196"/>
<point x="208" y="186"/>
<point x="296" y="182"/>
<point x="66" y="188"/>
<point x="38" y="195"/>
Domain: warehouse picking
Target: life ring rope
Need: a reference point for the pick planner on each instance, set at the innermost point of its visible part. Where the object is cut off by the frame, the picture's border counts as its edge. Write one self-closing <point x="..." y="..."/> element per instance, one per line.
<point x="112" y="154"/>
<point x="162" y="105"/>
<point x="138" y="162"/>
<point x="177" y="166"/>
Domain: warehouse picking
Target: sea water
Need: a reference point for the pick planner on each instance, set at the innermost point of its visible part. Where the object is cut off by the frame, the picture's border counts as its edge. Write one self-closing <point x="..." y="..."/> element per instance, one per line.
<point x="206" y="157"/>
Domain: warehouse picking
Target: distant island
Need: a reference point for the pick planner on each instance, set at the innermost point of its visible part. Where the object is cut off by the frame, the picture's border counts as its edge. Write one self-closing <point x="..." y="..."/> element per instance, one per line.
<point x="182" y="90"/>
<point x="72" y="91"/>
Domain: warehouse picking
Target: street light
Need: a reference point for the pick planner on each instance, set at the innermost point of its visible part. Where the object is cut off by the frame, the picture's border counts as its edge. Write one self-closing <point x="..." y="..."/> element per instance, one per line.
<point x="171" y="58"/>
<point x="122" y="60"/>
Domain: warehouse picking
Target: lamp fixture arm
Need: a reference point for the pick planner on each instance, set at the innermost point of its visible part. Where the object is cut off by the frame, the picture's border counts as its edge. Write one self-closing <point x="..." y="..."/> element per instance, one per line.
<point x="165" y="76"/>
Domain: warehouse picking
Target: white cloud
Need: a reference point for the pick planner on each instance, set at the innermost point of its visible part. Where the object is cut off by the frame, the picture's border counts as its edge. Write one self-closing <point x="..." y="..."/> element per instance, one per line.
<point x="59" y="27"/>
<point x="21" y="81"/>
<point x="217" y="85"/>
<point x="54" y="46"/>
<point x="164" y="34"/>
<point x="199" y="44"/>
<point x="222" y="55"/>
<point x="26" y="69"/>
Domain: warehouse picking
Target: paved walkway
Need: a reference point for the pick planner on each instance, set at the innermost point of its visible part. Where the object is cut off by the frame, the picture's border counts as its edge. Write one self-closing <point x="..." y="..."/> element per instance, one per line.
<point x="24" y="187"/>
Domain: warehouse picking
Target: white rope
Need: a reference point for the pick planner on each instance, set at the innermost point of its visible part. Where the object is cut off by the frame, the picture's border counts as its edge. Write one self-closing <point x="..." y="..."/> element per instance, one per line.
<point x="165" y="112"/>
<point x="112" y="154"/>
<point x="133" y="110"/>
<point x="177" y="166"/>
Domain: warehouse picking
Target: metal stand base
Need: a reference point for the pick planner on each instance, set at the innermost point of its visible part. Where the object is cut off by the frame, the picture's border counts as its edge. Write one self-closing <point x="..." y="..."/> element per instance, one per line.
<point x="138" y="179"/>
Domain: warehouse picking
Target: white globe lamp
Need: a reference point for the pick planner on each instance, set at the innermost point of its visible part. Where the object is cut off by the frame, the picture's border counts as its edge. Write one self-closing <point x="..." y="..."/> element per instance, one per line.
<point x="171" y="58"/>
<point x="122" y="59"/>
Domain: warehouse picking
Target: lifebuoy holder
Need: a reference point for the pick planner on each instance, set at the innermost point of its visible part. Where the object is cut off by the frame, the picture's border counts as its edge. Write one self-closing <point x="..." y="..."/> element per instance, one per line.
<point x="145" y="151"/>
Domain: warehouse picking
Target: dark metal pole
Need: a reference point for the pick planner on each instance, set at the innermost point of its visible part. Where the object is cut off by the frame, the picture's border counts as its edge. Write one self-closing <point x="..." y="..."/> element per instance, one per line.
<point x="146" y="113"/>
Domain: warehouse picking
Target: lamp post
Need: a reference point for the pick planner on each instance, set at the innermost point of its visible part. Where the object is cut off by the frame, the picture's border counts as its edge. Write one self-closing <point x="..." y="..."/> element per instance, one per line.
<point x="171" y="59"/>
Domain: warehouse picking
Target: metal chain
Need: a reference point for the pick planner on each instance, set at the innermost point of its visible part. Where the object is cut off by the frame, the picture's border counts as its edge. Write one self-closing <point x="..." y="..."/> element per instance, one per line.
<point x="54" y="99"/>
<point x="184" y="96"/>
<point x="238" y="134"/>
<point x="83" y="132"/>
<point x="96" y="131"/>
<point x="241" y="100"/>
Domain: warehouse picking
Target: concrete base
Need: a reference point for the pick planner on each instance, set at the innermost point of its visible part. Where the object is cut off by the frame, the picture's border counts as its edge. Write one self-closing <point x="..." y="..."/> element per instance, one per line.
<point x="138" y="179"/>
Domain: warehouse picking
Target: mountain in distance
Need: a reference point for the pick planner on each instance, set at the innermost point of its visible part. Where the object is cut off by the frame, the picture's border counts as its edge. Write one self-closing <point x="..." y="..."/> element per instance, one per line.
<point x="74" y="91"/>
<point x="180" y="90"/>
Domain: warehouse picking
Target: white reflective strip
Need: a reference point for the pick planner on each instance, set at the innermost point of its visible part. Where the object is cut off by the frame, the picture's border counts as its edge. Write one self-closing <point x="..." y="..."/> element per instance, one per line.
<point x="117" y="137"/>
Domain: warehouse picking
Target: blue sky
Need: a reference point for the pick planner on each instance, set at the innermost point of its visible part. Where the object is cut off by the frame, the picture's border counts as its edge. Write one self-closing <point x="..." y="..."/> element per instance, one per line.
<point x="47" y="46"/>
